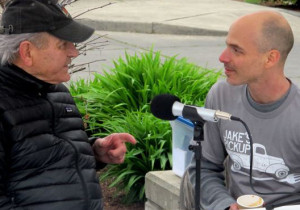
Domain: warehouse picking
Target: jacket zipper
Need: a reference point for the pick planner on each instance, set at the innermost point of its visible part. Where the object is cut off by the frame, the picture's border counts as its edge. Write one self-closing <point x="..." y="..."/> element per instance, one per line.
<point x="84" y="186"/>
<point x="76" y="155"/>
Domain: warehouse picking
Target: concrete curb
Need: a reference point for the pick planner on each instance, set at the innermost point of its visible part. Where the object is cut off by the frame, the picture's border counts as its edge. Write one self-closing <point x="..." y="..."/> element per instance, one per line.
<point x="149" y="28"/>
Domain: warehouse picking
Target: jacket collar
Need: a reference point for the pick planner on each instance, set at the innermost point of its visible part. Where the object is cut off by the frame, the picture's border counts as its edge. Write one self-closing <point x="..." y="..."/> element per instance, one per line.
<point x="18" y="78"/>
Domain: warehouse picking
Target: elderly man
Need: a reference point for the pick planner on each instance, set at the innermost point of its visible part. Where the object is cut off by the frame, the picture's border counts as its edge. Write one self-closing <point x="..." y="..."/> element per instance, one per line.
<point x="46" y="158"/>
<point x="258" y="92"/>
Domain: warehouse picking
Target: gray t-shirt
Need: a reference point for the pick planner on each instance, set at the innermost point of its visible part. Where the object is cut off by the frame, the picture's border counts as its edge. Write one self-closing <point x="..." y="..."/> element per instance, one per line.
<point x="276" y="148"/>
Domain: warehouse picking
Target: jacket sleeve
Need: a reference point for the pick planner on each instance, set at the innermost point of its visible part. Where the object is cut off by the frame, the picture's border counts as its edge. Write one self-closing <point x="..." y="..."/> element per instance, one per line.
<point x="99" y="165"/>
<point x="214" y="194"/>
<point x="5" y="200"/>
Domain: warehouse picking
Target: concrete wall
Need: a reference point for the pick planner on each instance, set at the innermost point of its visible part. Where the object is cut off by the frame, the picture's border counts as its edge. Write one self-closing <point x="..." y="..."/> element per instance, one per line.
<point x="162" y="190"/>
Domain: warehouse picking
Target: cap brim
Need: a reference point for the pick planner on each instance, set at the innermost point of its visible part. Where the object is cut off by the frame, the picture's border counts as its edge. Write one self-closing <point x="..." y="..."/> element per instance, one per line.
<point x="74" y="32"/>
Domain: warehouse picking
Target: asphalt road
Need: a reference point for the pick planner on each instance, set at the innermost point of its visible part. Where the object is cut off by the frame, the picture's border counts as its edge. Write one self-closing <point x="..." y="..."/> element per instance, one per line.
<point x="201" y="50"/>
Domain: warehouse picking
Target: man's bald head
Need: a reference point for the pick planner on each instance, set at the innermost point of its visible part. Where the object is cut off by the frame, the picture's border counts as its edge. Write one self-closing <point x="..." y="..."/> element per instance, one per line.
<point x="271" y="31"/>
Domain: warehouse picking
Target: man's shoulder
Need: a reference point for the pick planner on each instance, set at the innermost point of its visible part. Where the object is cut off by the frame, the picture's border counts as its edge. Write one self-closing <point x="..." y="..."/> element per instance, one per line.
<point x="295" y="87"/>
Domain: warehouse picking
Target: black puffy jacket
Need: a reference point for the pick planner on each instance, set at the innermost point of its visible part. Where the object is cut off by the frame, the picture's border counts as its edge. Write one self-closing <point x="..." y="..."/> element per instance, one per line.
<point x="46" y="162"/>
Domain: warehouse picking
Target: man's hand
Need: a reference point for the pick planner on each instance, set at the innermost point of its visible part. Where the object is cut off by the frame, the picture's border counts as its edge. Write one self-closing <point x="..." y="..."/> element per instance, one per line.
<point x="112" y="148"/>
<point x="234" y="207"/>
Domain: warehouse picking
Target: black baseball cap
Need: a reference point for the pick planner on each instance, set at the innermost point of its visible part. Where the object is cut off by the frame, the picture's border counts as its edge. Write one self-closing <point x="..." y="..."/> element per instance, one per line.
<point x="32" y="16"/>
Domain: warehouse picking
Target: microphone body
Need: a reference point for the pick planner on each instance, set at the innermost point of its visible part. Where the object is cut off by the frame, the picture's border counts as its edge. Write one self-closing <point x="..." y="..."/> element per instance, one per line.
<point x="193" y="113"/>
<point x="168" y="107"/>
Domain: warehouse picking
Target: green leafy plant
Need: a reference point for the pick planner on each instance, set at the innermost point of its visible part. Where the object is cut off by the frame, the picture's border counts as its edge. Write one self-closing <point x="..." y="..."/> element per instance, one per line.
<point x="253" y="1"/>
<point x="118" y="101"/>
<point x="152" y="152"/>
<point x="292" y="3"/>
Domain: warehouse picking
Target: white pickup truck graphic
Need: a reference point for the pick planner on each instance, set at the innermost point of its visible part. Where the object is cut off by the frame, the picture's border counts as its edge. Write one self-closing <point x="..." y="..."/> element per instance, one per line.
<point x="261" y="162"/>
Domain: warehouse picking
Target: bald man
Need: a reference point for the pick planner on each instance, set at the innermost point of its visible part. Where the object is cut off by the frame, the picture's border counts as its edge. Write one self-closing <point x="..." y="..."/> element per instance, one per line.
<point x="257" y="91"/>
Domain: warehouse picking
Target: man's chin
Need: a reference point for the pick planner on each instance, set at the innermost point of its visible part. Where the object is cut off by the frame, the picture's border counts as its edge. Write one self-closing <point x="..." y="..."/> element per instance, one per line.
<point x="66" y="78"/>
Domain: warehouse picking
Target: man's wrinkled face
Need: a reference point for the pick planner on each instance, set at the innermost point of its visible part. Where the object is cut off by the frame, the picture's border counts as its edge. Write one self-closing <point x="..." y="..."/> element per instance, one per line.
<point x="51" y="62"/>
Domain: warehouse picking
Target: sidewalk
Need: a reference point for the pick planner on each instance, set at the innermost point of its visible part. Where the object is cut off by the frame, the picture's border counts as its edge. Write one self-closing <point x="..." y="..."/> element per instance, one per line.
<point x="191" y="17"/>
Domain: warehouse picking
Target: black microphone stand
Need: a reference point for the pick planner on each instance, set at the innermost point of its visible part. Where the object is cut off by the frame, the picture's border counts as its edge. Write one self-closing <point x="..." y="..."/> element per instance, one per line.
<point x="191" y="113"/>
<point x="197" y="149"/>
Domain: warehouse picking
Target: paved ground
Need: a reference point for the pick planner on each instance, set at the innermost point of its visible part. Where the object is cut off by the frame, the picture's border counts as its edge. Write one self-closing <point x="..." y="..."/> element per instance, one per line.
<point x="190" y="17"/>
<point x="193" y="29"/>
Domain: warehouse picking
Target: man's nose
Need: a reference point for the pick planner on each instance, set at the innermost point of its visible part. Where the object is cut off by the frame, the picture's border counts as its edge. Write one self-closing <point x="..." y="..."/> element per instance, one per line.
<point x="72" y="51"/>
<point x="224" y="57"/>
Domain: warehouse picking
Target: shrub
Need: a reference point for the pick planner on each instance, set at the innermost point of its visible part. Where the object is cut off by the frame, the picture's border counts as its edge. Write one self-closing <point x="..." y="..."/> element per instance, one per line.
<point x="152" y="152"/>
<point x="118" y="101"/>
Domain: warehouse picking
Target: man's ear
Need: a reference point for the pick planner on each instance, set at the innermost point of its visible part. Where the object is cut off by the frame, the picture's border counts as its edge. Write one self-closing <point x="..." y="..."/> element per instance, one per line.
<point x="272" y="59"/>
<point x="25" y="53"/>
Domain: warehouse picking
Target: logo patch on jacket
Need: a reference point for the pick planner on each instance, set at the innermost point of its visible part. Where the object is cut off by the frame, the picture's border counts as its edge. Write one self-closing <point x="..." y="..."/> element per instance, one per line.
<point x="69" y="109"/>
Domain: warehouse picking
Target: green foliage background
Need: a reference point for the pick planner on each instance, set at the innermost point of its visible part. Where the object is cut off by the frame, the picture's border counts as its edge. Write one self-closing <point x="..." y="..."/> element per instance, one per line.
<point x="295" y="3"/>
<point x="118" y="101"/>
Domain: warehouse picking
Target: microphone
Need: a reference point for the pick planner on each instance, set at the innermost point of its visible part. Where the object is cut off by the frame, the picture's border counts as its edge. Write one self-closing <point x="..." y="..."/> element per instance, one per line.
<point x="168" y="107"/>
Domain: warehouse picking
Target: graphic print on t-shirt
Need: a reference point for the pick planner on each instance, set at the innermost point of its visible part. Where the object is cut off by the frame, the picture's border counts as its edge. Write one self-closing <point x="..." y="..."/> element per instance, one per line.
<point x="238" y="148"/>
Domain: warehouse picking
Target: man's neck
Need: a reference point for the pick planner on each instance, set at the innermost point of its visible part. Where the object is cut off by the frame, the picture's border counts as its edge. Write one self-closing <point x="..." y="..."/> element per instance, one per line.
<point x="270" y="90"/>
